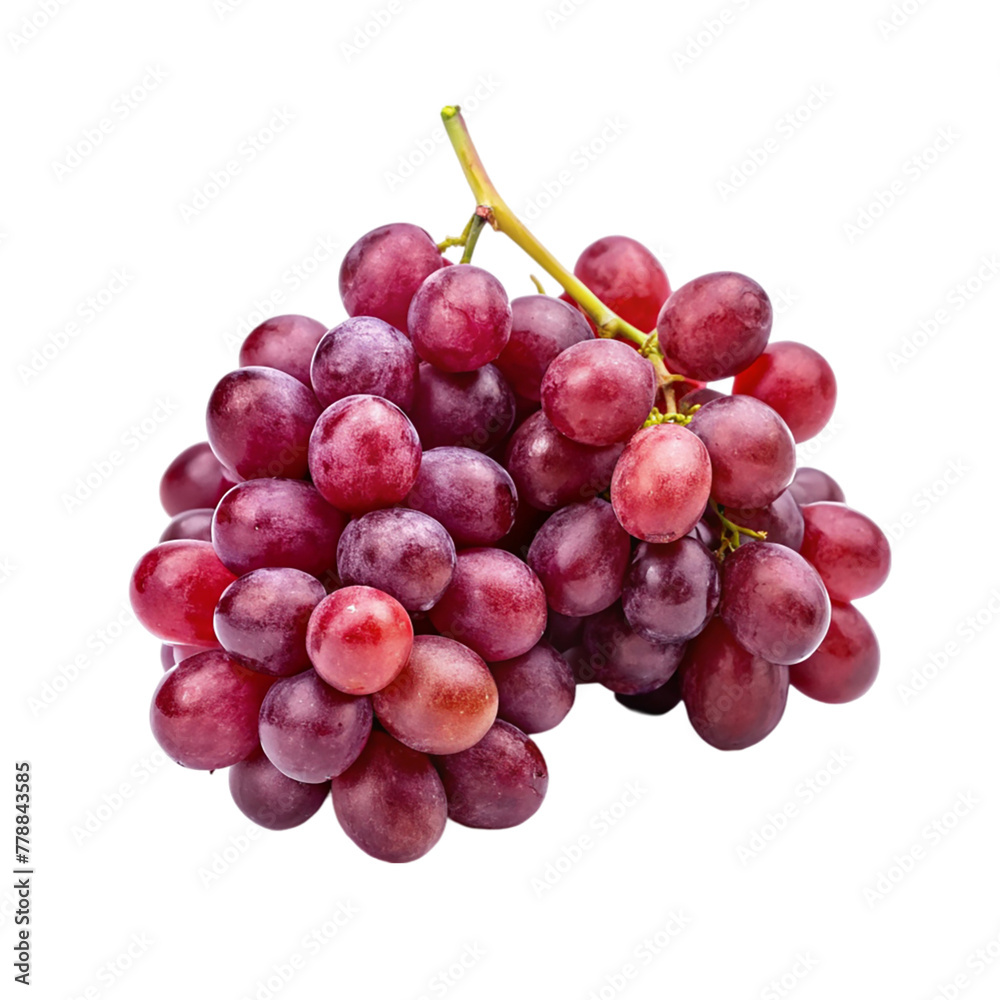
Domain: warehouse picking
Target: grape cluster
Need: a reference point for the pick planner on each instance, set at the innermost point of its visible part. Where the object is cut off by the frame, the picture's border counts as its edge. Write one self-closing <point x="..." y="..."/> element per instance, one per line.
<point x="409" y="537"/>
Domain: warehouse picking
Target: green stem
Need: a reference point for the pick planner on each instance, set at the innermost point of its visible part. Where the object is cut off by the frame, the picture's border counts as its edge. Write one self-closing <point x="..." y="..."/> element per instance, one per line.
<point x="732" y="533"/>
<point x="476" y="224"/>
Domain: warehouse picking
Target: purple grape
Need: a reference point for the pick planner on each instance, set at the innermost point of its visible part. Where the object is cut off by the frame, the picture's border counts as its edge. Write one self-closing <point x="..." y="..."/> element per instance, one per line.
<point x="733" y="698"/>
<point x="364" y="355"/>
<point x="537" y="689"/>
<point x="271" y="799"/>
<point x="671" y="591"/>
<point x="541" y="328"/>
<point x="460" y="319"/>
<point x="194" y="479"/>
<point x="550" y="471"/>
<point x="383" y="270"/>
<point x="751" y="448"/>
<point x="580" y="554"/>
<point x="598" y="392"/>
<point x="471" y="495"/>
<point x="774" y="602"/>
<point x="814" y="486"/>
<point x="193" y="524"/>
<point x="496" y="784"/>
<point x="403" y="552"/>
<point x="309" y="730"/>
<point x="277" y="522"/>
<point x="657" y="702"/>
<point x="782" y="520"/>
<point x="259" y="422"/>
<point x="563" y="632"/>
<point x="363" y="454"/>
<point x="469" y="410"/>
<point x="261" y="619"/>
<point x="697" y="397"/>
<point x="283" y="342"/>
<point x="391" y="802"/>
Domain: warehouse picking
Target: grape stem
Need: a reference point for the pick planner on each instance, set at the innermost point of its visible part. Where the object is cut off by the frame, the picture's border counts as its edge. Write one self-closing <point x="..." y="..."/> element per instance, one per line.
<point x="732" y="533"/>
<point x="503" y="219"/>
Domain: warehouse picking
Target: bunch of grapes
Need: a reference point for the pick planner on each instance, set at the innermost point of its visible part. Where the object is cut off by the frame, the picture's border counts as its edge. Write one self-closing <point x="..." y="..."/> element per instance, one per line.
<point x="410" y="536"/>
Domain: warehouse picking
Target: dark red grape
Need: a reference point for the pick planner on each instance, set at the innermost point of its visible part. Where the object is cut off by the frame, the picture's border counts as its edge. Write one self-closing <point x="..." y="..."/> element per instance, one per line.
<point x="563" y="631"/>
<point x="657" y="702"/>
<point x="814" y="485"/>
<point x="283" y="342"/>
<point x="195" y="478"/>
<point x="537" y="689"/>
<point x="195" y="525"/>
<point x="271" y="799"/>
<point x="850" y="551"/>
<point x="845" y="665"/>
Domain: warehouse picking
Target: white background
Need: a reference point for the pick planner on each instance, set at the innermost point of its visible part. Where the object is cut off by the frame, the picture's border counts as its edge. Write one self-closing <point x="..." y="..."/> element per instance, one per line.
<point x="913" y="443"/>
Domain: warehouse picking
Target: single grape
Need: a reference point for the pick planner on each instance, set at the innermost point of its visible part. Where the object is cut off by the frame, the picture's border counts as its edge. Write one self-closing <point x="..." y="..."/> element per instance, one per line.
<point x="814" y="485"/>
<point x="626" y="277"/>
<point x="174" y="589"/>
<point x="733" y="698"/>
<point x="846" y="663"/>
<point x="671" y="591"/>
<point x="541" y="328"/>
<point x="363" y="454"/>
<point x="468" y="409"/>
<point x="359" y="639"/>
<point x="714" y="326"/>
<point x="364" y="355"/>
<point x="657" y="702"/>
<point x="277" y="522"/>
<point x="444" y="699"/>
<point x="261" y="619"/>
<point x="621" y="659"/>
<point x="195" y="525"/>
<point x="496" y="784"/>
<point x="259" y="421"/>
<point x="563" y="632"/>
<point x="460" y="318"/>
<point x="204" y="711"/>
<point x="751" y="448"/>
<point x="283" y="342"/>
<point x="550" y="471"/>
<point x="391" y="802"/>
<point x="796" y="382"/>
<point x="661" y="483"/>
<point x="271" y="799"/>
<point x="182" y="653"/>
<point x="309" y="730"/>
<point x="467" y="492"/>
<point x="383" y="270"/>
<point x="774" y="602"/>
<point x="781" y="520"/>
<point x="537" y="689"/>
<point x="195" y="478"/>
<point x="598" y="392"/>
<point x="580" y="554"/>
<point x="407" y="554"/>
<point x="495" y="605"/>
<point x="848" y="549"/>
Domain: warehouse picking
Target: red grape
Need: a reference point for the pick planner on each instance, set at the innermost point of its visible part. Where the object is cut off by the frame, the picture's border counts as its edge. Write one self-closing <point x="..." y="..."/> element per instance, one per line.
<point x="537" y="689"/>
<point x="656" y="702"/>
<point x="271" y="799"/>
<point x="195" y="478"/>
<point x="195" y="525"/>
<point x="814" y="485"/>
<point x="850" y="551"/>
<point x="846" y="663"/>
<point x="283" y="342"/>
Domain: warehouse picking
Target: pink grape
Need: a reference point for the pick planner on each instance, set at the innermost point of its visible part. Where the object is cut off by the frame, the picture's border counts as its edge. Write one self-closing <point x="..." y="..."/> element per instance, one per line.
<point x="460" y="319"/>
<point x="444" y="699"/>
<point x="661" y="483"/>
<point x="310" y="731"/>
<point x="271" y="799"/>
<point x="204" y="711"/>
<point x="363" y="454"/>
<point x="848" y="549"/>
<point x="846" y="663"/>
<point x="195" y="525"/>
<point x="174" y="589"/>
<point x="391" y="802"/>
<point x="359" y="639"/>
<point x="536" y="689"/>
<point x="195" y="478"/>
<point x="383" y="270"/>
<point x="259" y="421"/>
<point x="814" y="485"/>
<point x="283" y="342"/>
